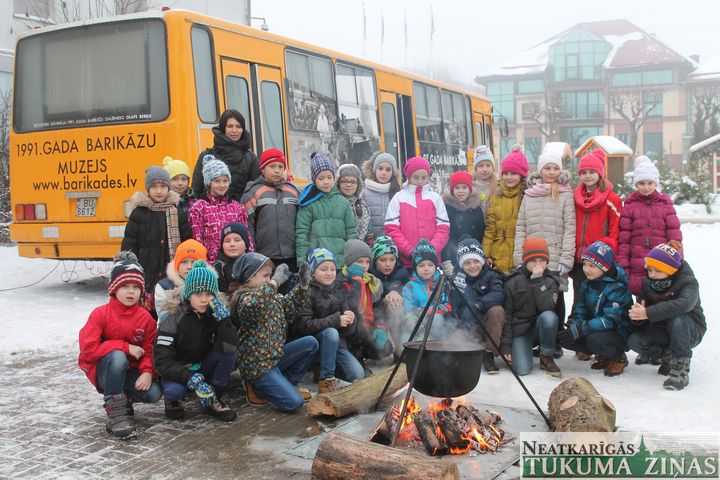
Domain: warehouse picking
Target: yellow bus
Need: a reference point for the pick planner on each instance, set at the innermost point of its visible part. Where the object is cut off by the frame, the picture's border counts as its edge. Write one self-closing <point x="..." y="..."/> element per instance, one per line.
<point x="97" y="102"/>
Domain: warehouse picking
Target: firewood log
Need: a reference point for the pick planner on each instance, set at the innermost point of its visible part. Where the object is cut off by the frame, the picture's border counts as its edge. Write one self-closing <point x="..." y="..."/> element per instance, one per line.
<point x="384" y="431"/>
<point x="428" y="434"/>
<point x="575" y="406"/>
<point x="450" y="425"/>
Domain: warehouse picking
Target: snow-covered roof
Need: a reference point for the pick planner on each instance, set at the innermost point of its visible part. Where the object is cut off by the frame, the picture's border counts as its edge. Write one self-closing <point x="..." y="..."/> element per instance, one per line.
<point x="709" y="70"/>
<point x="704" y="143"/>
<point x="630" y="46"/>
<point x="611" y="145"/>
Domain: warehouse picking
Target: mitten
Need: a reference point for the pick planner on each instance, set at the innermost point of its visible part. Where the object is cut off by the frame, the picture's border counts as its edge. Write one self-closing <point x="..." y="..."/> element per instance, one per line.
<point x="282" y="274"/>
<point x="304" y="276"/>
<point x="381" y="337"/>
<point x="218" y="310"/>
<point x="563" y="270"/>
<point x="355" y="270"/>
<point x="204" y="391"/>
<point x="447" y="268"/>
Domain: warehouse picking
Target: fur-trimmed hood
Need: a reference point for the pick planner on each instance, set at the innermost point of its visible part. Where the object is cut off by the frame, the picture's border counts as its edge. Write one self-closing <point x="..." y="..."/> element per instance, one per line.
<point x="142" y="199"/>
<point x="473" y="201"/>
<point x="173" y="275"/>
<point x="175" y="296"/>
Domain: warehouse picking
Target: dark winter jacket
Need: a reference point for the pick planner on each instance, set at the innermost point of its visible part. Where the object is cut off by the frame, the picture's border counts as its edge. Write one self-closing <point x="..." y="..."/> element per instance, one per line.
<point x="224" y="266"/>
<point x="525" y="299"/>
<point x="604" y="303"/>
<point x="241" y="161"/>
<point x="645" y="223"/>
<point x="272" y="210"/>
<point x="322" y="310"/>
<point x="186" y="337"/>
<point x="393" y="282"/>
<point x="483" y="292"/>
<point x="147" y="237"/>
<point x="465" y="218"/>
<point x="682" y="296"/>
<point x="114" y="326"/>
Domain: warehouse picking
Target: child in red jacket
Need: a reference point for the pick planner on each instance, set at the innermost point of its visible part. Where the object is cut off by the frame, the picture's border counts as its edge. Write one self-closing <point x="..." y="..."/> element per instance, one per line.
<point x="116" y="347"/>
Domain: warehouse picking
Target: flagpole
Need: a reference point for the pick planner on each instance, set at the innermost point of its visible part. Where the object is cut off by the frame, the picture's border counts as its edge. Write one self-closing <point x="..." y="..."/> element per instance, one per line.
<point x="364" y="29"/>
<point x="432" y="32"/>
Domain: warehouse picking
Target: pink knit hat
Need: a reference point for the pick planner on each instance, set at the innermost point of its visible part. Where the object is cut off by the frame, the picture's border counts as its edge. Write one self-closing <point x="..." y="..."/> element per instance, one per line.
<point x="417" y="163"/>
<point x="595" y="161"/>
<point x="515" y="162"/>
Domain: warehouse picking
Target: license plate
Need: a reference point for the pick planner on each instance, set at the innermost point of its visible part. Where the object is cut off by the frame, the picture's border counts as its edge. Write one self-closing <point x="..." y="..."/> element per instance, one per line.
<point x="86" y="207"/>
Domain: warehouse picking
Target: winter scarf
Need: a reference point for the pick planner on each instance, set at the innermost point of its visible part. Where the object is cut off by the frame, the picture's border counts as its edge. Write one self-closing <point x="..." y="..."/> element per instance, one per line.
<point x="366" y="301"/>
<point x="173" y="228"/>
<point x="538" y="188"/>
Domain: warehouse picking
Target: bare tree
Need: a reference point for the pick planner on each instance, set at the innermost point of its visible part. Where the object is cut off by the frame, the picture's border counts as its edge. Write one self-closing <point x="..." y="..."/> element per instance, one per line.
<point x="5" y="212"/>
<point x="634" y="106"/>
<point x="548" y="117"/>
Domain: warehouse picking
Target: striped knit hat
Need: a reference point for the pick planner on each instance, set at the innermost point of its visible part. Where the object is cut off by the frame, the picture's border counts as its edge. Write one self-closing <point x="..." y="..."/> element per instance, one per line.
<point x="318" y="256"/>
<point x="600" y="254"/>
<point x="666" y="257"/>
<point x="126" y="269"/>
<point x="535" y="248"/>
<point x="200" y="279"/>
<point x="469" y="248"/>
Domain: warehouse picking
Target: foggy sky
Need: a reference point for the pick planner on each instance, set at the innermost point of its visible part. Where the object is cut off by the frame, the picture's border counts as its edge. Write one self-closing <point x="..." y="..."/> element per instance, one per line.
<point x="471" y="36"/>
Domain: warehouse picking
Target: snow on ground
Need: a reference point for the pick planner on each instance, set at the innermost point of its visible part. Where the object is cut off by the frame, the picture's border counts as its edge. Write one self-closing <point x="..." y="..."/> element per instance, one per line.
<point x="47" y="317"/>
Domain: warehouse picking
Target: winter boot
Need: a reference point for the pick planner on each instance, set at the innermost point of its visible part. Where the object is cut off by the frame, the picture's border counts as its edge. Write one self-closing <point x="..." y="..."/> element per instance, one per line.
<point x="221" y="411"/>
<point x="600" y="363"/>
<point x="253" y="398"/>
<point x="547" y="363"/>
<point x="304" y="393"/>
<point x="664" y="368"/>
<point x="118" y="424"/>
<point x="129" y="410"/>
<point x="616" y="367"/>
<point x="643" y="359"/>
<point x="679" y="375"/>
<point x="174" y="409"/>
<point x="583" y="357"/>
<point x="489" y="363"/>
<point x="326" y="385"/>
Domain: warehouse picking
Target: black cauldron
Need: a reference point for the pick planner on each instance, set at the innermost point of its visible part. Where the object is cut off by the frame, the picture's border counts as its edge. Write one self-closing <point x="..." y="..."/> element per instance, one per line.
<point x="447" y="369"/>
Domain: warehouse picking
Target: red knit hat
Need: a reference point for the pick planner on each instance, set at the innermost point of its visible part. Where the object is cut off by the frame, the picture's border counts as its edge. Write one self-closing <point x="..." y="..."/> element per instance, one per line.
<point x="272" y="155"/>
<point x="535" y="248"/>
<point x="595" y="161"/>
<point x="417" y="163"/>
<point x="515" y="162"/>
<point x="460" y="178"/>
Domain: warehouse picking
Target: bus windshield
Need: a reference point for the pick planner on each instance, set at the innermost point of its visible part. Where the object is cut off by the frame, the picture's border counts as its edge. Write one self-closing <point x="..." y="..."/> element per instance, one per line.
<point x="92" y="75"/>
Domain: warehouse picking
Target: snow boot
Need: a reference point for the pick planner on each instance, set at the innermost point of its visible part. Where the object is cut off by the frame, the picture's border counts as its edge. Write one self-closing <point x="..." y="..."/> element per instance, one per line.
<point x="488" y="362"/>
<point x="679" y="375"/>
<point x="643" y="359"/>
<point x="174" y="409"/>
<point x="327" y="385"/>
<point x="253" y="398"/>
<point x="221" y="411"/>
<point x="118" y="424"/>
<point x="664" y="368"/>
<point x="600" y="363"/>
<point x="304" y="392"/>
<point x="547" y="363"/>
<point x="616" y="367"/>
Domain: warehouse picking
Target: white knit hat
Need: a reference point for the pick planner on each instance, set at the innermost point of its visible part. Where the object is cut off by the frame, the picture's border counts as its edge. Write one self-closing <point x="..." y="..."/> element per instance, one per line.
<point x="645" y="169"/>
<point x="549" y="157"/>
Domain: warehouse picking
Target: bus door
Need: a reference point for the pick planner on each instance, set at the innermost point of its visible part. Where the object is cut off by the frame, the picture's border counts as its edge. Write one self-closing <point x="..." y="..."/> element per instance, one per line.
<point x="480" y="136"/>
<point x="236" y="89"/>
<point x="390" y="123"/>
<point x="268" y="108"/>
<point x="405" y="126"/>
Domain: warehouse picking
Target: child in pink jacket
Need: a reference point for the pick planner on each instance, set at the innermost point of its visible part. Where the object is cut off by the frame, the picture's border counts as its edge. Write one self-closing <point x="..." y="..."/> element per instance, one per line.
<point x="416" y="212"/>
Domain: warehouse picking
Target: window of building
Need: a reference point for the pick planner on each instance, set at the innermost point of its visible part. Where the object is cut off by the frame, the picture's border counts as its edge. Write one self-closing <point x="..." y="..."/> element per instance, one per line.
<point x="530" y="86"/>
<point x="428" y="113"/>
<point x="623" y="137"/>
<point x="653" y="145"/>
<point x="532" y="150"/>
<point x="506" y="145"/>
<point x="204" y="75"/>
<point x="454" y="119"/>
<point x="311" y="96"/>
<point x="502" y="96"/>
<point x="357" y="100"/>
<point x="653" y="101"/>
<point x="582" y="105"/>
<point x="651" y="77"/>
<point x="32" y="8"/>
<point x="576" y="136"/>
<point x="579" y="57"/>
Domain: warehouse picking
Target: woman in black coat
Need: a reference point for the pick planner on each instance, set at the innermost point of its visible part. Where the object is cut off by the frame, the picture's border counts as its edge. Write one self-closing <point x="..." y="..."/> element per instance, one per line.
<point x="232" y="145"/>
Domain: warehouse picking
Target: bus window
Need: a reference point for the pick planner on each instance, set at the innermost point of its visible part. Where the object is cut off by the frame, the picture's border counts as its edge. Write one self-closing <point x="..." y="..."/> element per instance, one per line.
<point x="357" y="104"/>
<point x="468" y="122"/>
<point x="480" y="131"/>
<point x="390" y="129"/>
<point x="204" y="75"/>
<point x="272" y="116"/>
<point x="236" y="96"/>
<point x="488" y="135"/>
<point x="454" y="119"/>
<point x="79" y="77"/>
<point x="427" y="114"/>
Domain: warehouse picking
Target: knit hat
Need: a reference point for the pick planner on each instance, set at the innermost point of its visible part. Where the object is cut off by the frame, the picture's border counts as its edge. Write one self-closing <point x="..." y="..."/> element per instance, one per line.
<point x="535" y="248"/>
<point x="594" y="161"/>
<point x="515" y="162"/>
<point x="126" y="269"/>
<point x="382" y="246"/>
<point x="469" y="248"/>
<point x="318" y="256"/>
<point x="155" y="175"/>
<point x="189" y="249"/>
<point x="351" y="170"/>
<point x="460" y="178"/>
<point x="200" y="279"/>
<point x="600" y="254"/>
<point x="175" y="167"/>
<point x="272" y="155"/>
<point x="423" y="251"/>
<point x="214" y="168"/>
<point x="248" y="265"/>
<point x="483" y="154"/>
<point x="235" y="227"/>
<point x="319" y="163"/>
<point x="385" y="157"/>
<point x="666" y="257"/>
<point x="548" y="157"/>
<point x="415" y="164"/>
<point x="645" y="169"/>
<point x="355" y="250"/>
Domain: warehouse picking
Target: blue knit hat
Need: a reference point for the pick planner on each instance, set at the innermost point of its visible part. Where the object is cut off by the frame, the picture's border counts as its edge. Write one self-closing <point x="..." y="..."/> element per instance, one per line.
<point x="469" y="248"/>
<point x="382" y="246"/>
<point x="318" y="256"/>
<point x="200" y="279"/>
<point x="213" y="168"/>
<point x="600" y="254"/>
<point x="423" y="251"/>
<point x="319" y="163"/>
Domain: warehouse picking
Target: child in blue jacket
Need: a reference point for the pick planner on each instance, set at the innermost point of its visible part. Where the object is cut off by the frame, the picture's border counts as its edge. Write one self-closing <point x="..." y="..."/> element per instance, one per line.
<point x="600" y="322"/>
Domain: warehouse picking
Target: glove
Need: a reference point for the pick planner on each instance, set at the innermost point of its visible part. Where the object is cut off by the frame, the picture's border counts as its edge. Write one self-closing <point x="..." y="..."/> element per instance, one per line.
<point x="304" y="276"/>
<point x="381" y="337"/>
<point x="218" y="310"/>
<point x="447" y="268"/>
<point x="565" y="339"/>
<point x="282" y="274"/>
<point x="563" y="270"/>
<point x="355" y="270"/>
<point x="204" y="391"/>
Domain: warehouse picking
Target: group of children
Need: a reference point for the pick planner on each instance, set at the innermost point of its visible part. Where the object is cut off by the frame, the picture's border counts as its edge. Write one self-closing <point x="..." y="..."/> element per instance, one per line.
<point x="285" y="281"/>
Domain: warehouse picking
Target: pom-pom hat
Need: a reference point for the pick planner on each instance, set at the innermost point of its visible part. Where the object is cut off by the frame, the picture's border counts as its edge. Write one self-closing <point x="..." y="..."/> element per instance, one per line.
<point x="175" y="167"/>
<point x="200" y="279"/>
<point x="271" y="155"/>
<point x="515" y="162"/>
<point x="423" y="251"/>
<point x="126" y="269"/>
<point x="469" y="248"/>
<point x="214" y="168"/>
<point x="319" y="163"/>
<point x="645" y="169"/>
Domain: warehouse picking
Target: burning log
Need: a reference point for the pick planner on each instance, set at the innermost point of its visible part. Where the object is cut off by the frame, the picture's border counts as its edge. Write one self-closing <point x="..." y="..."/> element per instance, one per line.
<point x="576" y="406"/>
<point x="384" y="431"/>
<point x="452" y="428"/>
<point x="357" y="397"/>
<point x="341" y="456"/>
<point x="428" y="434"/>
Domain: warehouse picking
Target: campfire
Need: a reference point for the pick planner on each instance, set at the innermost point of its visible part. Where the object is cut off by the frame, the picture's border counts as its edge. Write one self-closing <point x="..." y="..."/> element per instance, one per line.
<point x="443" y="427"/>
